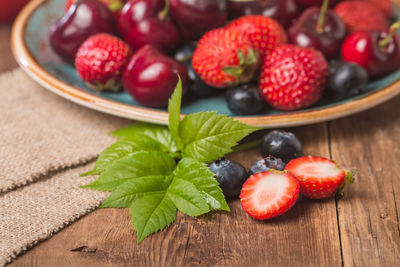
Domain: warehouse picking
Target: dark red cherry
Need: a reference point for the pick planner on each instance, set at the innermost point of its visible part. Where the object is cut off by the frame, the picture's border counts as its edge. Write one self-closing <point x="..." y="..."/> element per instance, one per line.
<point x="308" y="3"/>
<point x="148" y="22"/>
<point x="326" y="34"/>
<point x="84" y="19"/>
<point x="151" y="77"/>
<point x="283" y="11"/>
<point x="377" y="52"/>
<point x="195" y="17"/>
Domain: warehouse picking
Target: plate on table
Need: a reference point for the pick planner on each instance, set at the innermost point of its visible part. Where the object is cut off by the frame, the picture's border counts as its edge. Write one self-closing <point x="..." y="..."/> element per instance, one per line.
<point x="32" y="51"/>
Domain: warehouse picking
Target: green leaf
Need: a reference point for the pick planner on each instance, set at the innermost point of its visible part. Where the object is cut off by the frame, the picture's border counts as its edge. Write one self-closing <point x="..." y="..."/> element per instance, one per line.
<point x="174" y="111"/>
<point x="241" y="57"/>
<point x="187" y="198"/>
<point x="121" y="148"/>
<point x="133" y="166"/>
<point x="151" y="213"/>
<point x="203" y="179"/>
<point x="158" y="133"/>
<point x="208" y="136"/>
<point x="133" y="189"/>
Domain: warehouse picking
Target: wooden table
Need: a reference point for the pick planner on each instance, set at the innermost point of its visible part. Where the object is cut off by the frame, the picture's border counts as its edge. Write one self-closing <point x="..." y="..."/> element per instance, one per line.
<point x="361" y="229"/>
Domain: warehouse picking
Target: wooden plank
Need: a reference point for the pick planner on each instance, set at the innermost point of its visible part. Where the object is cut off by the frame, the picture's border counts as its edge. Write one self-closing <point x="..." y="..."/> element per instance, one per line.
<point x="306" y="236"/>
<point x="7" y="61"/>
<point x="369" y="212"/>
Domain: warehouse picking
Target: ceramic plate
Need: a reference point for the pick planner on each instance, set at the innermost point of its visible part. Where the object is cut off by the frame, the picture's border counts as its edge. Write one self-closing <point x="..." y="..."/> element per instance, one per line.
<point x="32" y="51"/>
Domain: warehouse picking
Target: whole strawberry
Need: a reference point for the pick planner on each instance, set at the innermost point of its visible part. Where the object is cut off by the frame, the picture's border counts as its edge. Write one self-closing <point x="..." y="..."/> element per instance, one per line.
<point x="361" y="16"/>
<point x="100" y="61"/>
<point x="293" y="78"/>
<point x="224" y="58"/>
<point x="319" y="177"/>
<point x="114" y="5"/>
<point x="264" y="33"/>
<point x="386" y="6"/>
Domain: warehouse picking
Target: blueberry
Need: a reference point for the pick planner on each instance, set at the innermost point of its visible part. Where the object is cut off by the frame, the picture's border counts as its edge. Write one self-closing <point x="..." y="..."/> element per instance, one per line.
<point x="245" y="100"/>
<point x="345" y="80"/>
<point x="267" y="163"/>
<point x="198" y="87"/>
<point x="230" y="175"/>
<point x="281" y="144"/>
<point x="184" y="53"/>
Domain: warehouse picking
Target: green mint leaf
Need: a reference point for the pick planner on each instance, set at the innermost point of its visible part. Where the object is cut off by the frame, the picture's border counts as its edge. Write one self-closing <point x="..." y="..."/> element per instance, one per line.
<point x="203" y="179"/>
<point x="187" y="198"/>
<point x="207" y="136"/>
<point x="174" y="111"/>
<point x="152" y="213"/>
<point x="121" y="148"/>
<point x="158" y="133"/>
<point x="133" y="166"/>
<point x="129" y="191"/>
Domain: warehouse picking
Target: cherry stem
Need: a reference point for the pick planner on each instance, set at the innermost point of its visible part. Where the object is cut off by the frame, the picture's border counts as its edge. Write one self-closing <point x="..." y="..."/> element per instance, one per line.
<point x="163" y="13"/>
<point x="392" y="31"/>
<point x="321" y="19"/>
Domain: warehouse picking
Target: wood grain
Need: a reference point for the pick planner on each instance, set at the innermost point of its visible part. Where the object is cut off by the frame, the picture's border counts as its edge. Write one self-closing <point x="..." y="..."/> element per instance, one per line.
<point x="369" y="212"/>
<point x="305" y="236"/>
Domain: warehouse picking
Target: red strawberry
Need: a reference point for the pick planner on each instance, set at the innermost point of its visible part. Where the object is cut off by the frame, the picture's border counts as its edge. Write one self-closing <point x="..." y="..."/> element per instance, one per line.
<point x="361" y="16"/>
<point x="293" y="78"/>
<point x="225" y="58"/>
<point x="269" y="194"/>
<point x="9" y="9"/>
<point x="319" y="177"/>
<point x="264" y="33"/>
<point x="114" y="5"/>
<point x="100" y="61"/>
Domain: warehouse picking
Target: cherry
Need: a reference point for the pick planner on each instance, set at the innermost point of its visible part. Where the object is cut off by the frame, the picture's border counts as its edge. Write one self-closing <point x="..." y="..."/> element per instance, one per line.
<point x="319" y="28"/>
<point x="151" y="77"/>
<point x="377" y="52"/>
<point x="84" y="19"/>
<point x="196" y="17"/>
<point x="148" y="22"/>
<point x="283" y="11"/>
<point x="309" y="3"/>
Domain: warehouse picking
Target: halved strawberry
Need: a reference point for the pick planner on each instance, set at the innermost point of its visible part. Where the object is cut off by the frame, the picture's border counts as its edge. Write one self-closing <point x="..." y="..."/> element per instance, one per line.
<point x="319" y="177"/>
<point x="268" y="194"/>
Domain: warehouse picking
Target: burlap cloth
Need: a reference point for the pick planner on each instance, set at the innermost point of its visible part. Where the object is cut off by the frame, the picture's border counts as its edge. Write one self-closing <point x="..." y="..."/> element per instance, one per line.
<point x="45" y="143"/>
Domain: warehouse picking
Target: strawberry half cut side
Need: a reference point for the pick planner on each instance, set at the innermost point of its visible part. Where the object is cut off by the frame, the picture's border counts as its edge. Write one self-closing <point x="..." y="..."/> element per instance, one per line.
<point x="269" y="194"/>
<point x="319" y="177"/>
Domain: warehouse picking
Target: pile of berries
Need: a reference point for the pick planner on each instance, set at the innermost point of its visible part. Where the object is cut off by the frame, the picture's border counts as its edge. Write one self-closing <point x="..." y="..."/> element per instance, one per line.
<point x="281" y="54"/>
<point x="276" y="180"/>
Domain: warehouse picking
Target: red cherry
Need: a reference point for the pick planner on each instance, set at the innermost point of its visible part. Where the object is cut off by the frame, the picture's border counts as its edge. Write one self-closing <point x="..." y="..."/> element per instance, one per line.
<point x="148" y="22"/>
<point x="151" y="77"/>
<point x="377" y="52"/>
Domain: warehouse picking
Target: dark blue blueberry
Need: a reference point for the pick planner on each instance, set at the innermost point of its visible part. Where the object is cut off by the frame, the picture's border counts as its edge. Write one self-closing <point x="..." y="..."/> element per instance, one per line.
<point x="184" y="53"/>
<point x="197" y="86"/>
<point x="345" y="80"/>
<point x="245" y="100"/>
<point x="230" y="176"/>
<point x="281" y="144"/>
<point x="266" y="164"/>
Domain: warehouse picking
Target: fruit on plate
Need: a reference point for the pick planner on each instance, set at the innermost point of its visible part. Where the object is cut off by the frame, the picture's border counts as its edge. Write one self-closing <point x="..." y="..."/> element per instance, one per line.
<point x="264" y="33"/>
<point x="151" y="76"/>
<point x="283" y="11"/>
<point x="245" y="100"/>
<point x="114" y="5"/>
<point x="281" y="144"/>
<point x="361" y="16"/>
<point x="196" y="17"/>
<point x="100" y="61"/>
<point x="319" y="28"/>
<point x="265" y="164"/>
<point x="10" y="9"/>
<point x="377" y="52"/>
<point x="225" y="58"/>
<point x="148" y="22"/>
<point x="85" y="19"/>
<point x="319" y="177"/>
<point x="269" y="194"/>
<point x="230" y="176"/>
<point x="293" y="78"/>
<point x="345" y="80"/>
